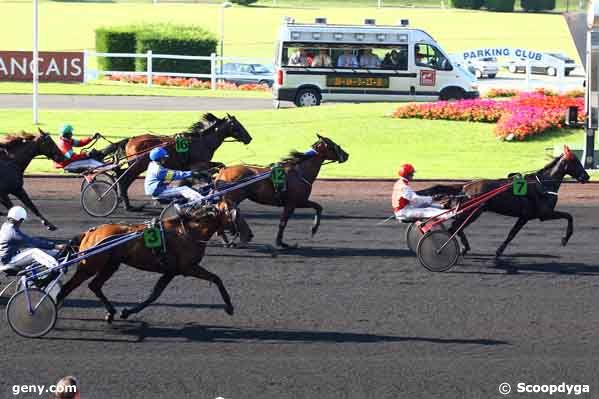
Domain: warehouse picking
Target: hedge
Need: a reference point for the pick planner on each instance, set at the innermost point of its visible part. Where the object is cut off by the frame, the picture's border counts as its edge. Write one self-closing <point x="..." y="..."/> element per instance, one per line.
<point x="537" y="5"/>
<point x="116" y="40"/>
<point x="500" y="5"/>
<point x="244" y="2"/>
<point x="161" y="39"/>
<point x="179" y="40"/>
<point x="470" y="4"/>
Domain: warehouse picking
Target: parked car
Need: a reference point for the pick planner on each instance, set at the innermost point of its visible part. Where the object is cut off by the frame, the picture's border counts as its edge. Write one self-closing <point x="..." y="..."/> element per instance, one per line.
<point x="240" y="73"/>
<point x="486" y="66"/>
<point x="543" y="69"/>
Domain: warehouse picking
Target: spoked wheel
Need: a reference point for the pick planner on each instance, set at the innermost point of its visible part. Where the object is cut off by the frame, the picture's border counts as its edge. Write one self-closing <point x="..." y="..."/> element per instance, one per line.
<point x="437" y="252"/>
<point x="35" y="323"/>
<point x="100" y="177"/>
<point x="99" y="199"/>
<point x="413" y="235"/>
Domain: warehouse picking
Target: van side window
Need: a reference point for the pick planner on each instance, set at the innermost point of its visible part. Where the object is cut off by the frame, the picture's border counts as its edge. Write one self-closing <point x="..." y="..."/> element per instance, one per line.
<point x="429" y="56"/>
<point x="395" y="58"/>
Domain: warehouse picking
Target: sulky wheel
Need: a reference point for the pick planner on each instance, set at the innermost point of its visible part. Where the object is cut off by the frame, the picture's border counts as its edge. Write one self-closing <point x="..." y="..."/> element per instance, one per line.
<point x="413" y="235"/>
<point x="430" y="254"/>
<point x="35" y="322"/>
<point x="105" y="177"/>
<point x="99" y="199"/>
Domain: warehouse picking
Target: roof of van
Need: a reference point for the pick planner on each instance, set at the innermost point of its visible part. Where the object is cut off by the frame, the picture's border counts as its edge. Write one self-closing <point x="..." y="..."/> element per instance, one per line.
<point x="302" y="32"/>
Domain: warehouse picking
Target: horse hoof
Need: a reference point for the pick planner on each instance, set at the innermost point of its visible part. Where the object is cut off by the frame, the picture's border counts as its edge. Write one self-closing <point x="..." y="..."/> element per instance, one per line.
<point x="51" y="227"/>
<point x="109" y="318"/>
<point x="287" y="246"/>
<point x="564" y="241"/>
<point x="229" y="309"/>
<point x="125" y="314"/>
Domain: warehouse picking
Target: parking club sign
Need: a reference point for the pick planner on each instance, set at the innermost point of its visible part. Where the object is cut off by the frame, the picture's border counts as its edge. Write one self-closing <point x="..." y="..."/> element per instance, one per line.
<point x="515" y="53"/>
<point x="53" y="66"/>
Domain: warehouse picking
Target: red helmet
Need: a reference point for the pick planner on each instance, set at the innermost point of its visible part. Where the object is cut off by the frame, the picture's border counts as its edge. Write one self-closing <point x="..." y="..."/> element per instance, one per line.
<point x="405" y="170"/>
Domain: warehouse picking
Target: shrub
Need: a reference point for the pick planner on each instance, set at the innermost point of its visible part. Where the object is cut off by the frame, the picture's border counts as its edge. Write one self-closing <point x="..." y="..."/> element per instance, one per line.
<point x="500" y="5"/>
<point x="244" y="2"/>
<point x="116" y="40"/>
<point x="537" y="5"/>
<point x="469" y="4"/>
<point x="175" y="39"/>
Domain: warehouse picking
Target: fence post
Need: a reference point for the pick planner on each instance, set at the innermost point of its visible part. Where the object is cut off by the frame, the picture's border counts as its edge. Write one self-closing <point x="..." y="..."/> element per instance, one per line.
<point x="213" y="71"/>
<point x="85" y="63"/>
<point x="380" y="3"/>
<point x="149" y="67"/>
<point x="528" y="74"/>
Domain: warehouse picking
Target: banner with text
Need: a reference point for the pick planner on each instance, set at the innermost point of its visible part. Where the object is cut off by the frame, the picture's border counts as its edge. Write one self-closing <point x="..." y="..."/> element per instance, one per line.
<point x="17" y="66"/>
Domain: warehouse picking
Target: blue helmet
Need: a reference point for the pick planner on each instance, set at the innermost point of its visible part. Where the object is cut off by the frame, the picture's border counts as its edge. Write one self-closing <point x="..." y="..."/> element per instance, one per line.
<point x="158" y="153"/>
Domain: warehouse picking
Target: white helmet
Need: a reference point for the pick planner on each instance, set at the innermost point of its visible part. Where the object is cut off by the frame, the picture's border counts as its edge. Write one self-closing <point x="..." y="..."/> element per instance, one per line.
<point x="17" y="213"/>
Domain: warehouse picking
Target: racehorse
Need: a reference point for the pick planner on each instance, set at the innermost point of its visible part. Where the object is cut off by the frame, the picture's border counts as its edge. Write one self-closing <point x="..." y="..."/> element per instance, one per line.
<point x="204" y="136"/>
<point x="538" y="203"/>
<point x="185" y="235"/>
<point x="17" y="152"/>
<point x="301" y="171"/>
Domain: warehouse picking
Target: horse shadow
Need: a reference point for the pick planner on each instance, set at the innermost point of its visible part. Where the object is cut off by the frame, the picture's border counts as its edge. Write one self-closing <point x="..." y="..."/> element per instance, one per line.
<point x="141" y="331"/>
<point x="340" y="252"/>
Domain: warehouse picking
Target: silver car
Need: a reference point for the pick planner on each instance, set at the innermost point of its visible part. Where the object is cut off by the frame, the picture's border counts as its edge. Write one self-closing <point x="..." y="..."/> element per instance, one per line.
<point x="241" y="73"/>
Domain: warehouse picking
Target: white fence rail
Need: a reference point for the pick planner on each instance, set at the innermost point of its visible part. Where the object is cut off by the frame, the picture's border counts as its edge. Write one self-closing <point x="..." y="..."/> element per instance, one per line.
<point x="214" y="74"/>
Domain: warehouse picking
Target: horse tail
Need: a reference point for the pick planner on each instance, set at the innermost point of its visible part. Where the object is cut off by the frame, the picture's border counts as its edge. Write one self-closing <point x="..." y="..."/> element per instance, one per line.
<point x="75" y="242"/>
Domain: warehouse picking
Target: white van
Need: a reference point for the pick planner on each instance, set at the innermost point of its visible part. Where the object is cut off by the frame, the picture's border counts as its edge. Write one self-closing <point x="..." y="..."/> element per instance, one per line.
<point x="359" y="63"/>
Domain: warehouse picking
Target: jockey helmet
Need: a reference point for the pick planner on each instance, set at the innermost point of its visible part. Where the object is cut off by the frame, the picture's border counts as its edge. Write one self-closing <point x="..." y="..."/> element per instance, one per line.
<point x="405" y="170"/>
<point x="66" y="130"/>
<point x="17" y="213"/>
<point x="158" y="153"/>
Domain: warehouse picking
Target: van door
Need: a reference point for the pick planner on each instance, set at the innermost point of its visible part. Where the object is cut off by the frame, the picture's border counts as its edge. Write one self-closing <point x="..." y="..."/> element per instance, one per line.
<point x="433" y="72"/>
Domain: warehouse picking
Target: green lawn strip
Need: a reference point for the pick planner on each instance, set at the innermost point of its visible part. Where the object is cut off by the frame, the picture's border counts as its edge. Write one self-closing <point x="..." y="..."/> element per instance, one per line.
<point x="110" y="88"/>
<point x="252" y="31"/>
<point x="377" y="144"/>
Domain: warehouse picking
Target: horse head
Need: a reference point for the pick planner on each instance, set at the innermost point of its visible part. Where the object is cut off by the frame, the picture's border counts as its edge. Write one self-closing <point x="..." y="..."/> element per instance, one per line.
<point x="47" y="147"/>
<point x="330" y="150"/>
<point x="236" y="130"/>
<point x="209" y="218"/>
<point x="569" y="165"/>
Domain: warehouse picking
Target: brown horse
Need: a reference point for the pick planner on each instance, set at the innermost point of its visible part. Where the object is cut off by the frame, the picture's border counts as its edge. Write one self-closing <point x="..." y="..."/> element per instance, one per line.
<point x="204" y="136"/>
<point x="538" y="203"/>
<point x="186" y="236"/>
<point x="18" y="150"/>
<point x="301" y="171"/>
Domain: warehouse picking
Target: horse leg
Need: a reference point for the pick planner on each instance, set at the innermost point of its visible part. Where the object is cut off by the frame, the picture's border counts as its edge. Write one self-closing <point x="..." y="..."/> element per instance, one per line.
<point x="287" y="213"/>
<point x="562" y="215"/>
<point x="6" y="201"/>
<point x="96" y="287"/>
<point x="201" y="273"/>
<point x="519" y="224"/>
<point x="245" y="232"/>
<point x="316" y="223"/>
<point x="156" y="292"/>
<point x="461" y="222"/>
<point x="127" y="177"/>
<point x="78" y="278"/>
<point x="22" y="195"/>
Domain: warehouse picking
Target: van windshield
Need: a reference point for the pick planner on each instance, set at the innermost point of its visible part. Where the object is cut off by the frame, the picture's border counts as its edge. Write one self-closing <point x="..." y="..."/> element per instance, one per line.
<point x="335" y="55"/>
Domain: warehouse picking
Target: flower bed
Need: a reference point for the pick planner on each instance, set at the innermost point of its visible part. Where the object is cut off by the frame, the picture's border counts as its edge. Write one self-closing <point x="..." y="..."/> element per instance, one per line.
<point x="522" y="116"/>
<point x="185" y="82"/>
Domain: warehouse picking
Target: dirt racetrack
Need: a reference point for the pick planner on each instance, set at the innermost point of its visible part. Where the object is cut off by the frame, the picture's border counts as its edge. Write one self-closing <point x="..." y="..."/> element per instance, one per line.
<point x="350" y="314"/>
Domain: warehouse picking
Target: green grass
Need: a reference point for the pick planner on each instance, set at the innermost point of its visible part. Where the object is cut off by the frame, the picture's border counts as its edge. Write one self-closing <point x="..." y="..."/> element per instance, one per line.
<point x="252" y="31"/>
<point x="110" y="88"/>
<point x="377" y="144"/>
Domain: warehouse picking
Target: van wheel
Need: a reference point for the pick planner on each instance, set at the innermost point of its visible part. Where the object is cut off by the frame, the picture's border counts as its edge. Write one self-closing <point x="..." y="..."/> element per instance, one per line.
<point x="307" y="98"/>
<point x="452" y="93"/>
<point x="492" y="75"/>
<point x="512" y="68"/>
<point x="551" y="71"/>
<point x="478" y="74"/>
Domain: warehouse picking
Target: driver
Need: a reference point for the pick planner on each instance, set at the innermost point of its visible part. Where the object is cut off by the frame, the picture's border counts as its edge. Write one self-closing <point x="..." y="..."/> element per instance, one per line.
<point x="18" y="250"/>
<point x="158" y="178"/>
<point x="406" y="203"/>
<point x="75" y="161"/>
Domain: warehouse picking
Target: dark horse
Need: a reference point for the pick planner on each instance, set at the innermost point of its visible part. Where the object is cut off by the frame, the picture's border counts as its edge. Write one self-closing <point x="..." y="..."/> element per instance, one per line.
<point x="186" y="236"/>
<point x="539" y="202"/>
<point x="301" y="171"/>
<point x="204" y="136"/>
<point x="17" y="151"/>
